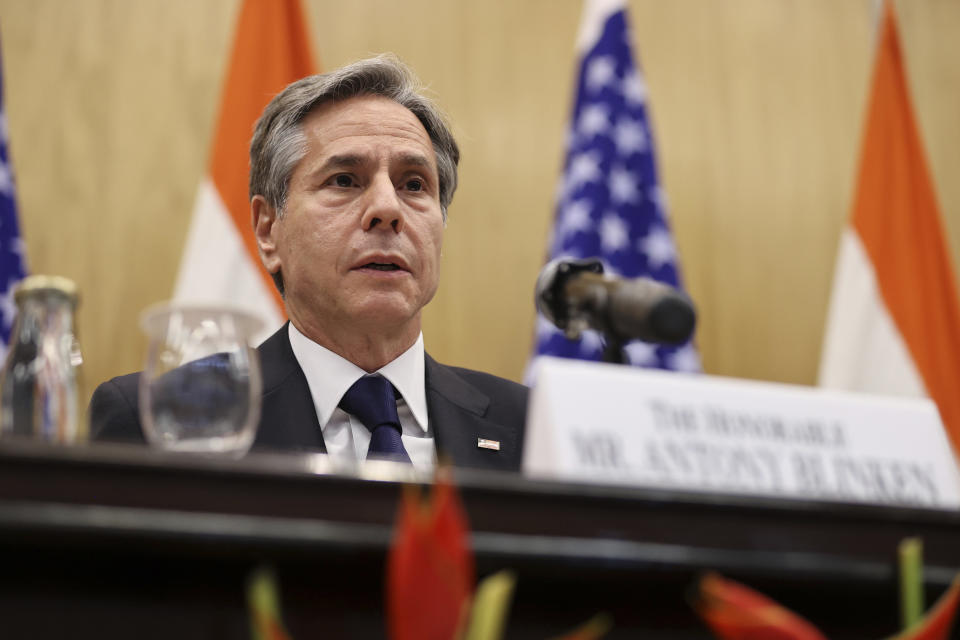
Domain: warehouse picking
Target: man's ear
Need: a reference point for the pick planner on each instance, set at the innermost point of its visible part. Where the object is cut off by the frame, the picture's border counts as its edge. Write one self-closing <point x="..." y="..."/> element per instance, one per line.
<point x="266" y="227"/>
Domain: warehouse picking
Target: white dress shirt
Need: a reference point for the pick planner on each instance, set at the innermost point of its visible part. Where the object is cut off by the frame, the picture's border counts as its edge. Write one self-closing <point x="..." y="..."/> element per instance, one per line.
<point x="346" y="438"/>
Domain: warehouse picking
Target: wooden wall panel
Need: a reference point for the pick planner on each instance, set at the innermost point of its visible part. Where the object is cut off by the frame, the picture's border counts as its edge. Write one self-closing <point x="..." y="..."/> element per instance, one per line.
<point x="110" y="107"/>
<point x="757" y="107"/>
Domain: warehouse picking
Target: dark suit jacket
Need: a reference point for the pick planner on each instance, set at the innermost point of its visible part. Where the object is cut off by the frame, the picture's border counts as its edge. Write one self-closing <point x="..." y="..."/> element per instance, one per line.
<point x="462" y="406"/>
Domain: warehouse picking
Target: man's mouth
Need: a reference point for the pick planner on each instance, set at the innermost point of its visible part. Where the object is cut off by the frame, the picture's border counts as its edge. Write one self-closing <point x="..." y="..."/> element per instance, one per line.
<point x="381" y="266"/>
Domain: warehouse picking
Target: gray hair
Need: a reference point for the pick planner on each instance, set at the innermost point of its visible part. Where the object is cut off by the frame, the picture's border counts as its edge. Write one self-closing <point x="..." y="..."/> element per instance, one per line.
<point x="278" y="140"/>
<point x="279" y="143"/>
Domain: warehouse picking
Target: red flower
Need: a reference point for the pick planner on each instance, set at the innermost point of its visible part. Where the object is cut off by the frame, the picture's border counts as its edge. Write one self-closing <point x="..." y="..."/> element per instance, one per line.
<point x="735" y="612"/>
<point x="430" y="571"/>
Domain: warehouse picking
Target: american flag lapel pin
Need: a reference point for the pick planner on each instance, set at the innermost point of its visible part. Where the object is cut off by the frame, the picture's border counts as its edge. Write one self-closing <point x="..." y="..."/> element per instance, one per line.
<point x="483" y="443"/>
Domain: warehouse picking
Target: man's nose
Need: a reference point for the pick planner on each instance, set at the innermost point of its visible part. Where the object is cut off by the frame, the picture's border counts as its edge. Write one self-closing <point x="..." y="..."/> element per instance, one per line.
<point x="383" y="207"/>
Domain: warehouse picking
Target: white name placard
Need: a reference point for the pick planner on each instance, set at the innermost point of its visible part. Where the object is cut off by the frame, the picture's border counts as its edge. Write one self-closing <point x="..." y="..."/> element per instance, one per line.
<point x="619" y="425"/>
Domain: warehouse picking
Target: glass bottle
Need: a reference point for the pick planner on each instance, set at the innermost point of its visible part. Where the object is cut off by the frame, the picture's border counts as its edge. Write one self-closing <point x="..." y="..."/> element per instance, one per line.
<point x="38" y="384"/>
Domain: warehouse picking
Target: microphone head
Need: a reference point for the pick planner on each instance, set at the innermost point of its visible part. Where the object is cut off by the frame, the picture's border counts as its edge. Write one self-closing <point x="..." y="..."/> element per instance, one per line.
<point x="549" y="290"/>
<point x="648" y="310"/>
<point x="673" y="319"/>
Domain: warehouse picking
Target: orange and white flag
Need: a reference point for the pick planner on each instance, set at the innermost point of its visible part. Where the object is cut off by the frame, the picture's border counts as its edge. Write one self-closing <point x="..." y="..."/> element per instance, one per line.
<point x="220" y="264"/>
<point x="894" y="320"/>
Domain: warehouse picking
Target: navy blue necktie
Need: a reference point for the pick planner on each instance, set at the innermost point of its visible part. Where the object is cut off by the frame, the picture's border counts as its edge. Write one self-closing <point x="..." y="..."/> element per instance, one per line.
<point x="371" y="400"/>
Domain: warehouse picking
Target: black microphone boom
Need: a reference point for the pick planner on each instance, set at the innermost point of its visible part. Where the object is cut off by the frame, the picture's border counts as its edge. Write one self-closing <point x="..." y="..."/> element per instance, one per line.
<point x="574" y="295"/>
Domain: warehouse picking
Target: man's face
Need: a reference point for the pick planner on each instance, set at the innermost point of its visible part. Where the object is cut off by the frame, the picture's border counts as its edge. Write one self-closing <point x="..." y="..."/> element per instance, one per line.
<point x="359" y="240"/>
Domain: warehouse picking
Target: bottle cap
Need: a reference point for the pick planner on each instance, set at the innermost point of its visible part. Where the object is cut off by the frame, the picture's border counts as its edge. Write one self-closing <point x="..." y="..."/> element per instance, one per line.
<point x="40" y="285"/>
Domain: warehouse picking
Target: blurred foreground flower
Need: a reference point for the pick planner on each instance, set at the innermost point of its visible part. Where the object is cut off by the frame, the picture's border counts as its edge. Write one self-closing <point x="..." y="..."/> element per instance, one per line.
<point x="736" y="612"/>
<point x="593" y="629"/>
<point x="939" y="620"/>
<point x="263" y="601"/>
<point x="430" y="574"/>
<point x="430" y="570"/>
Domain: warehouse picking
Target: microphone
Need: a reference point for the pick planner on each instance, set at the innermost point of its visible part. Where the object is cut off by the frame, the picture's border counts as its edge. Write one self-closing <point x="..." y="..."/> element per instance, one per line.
<point x="574" y="295"/>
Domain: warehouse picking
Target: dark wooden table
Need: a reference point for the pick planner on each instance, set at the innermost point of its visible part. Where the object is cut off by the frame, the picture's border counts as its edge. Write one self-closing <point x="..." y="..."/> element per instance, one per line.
<point x="115" y="542"/>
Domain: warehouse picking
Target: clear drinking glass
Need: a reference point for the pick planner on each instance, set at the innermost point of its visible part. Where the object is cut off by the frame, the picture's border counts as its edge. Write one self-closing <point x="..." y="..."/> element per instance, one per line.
<point x="200" y="387"/>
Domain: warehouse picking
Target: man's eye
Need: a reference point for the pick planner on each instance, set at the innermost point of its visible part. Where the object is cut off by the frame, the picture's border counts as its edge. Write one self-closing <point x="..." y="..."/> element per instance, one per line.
<point x="343" y="180"/>
<point x="415" y="185"/>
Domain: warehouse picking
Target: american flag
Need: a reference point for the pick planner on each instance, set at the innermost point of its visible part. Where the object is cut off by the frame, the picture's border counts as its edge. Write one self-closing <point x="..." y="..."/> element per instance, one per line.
<point x="12" y="266"/>
<point x="609" y="203"/>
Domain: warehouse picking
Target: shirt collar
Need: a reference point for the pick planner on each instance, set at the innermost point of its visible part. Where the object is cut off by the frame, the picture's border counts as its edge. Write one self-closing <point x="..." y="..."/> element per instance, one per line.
<point x="329" y="376"/>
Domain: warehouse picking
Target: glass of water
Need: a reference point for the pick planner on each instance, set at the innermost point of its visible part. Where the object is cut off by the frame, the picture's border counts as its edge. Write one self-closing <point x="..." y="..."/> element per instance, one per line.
<point x="200" y="387"/>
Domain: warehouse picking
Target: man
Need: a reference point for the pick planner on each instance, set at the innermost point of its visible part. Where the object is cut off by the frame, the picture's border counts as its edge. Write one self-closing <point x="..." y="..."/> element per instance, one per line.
<point x="351" y="176"/>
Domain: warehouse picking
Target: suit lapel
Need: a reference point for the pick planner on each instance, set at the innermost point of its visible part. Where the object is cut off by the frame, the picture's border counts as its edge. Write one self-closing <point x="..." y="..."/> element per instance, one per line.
<point x="288" y="418"/>
<point x="457" y="413"/>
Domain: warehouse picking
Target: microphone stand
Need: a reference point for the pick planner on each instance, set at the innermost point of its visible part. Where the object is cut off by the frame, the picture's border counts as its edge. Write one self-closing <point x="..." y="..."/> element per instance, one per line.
<point x="613" y="351"/>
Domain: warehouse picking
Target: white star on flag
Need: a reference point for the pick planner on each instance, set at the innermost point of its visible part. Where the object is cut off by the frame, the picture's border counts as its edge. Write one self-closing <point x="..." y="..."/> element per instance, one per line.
<point x="629" y="137"/>
<point x="584" y="168"/>
<point x="611" y="270"/>
<point x="641" y="353"/>
<point x="658" y="246"/>
<point x="601" y="72"/>
<point x="658" y="197"/>
<point x="18" y="247"/>
<point x="623" y="186"/>
<point x="614" y="233"/>
<point x="634" y="89"/>
<point x="595" y="119"/>
<point x="545" y="328"/>
<point x="6" y="180"/>
<point x="590" y="342"/>
<point x="685" y="359"/>
<point x="8" y="309"/>
<point x="575" y="217"/>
